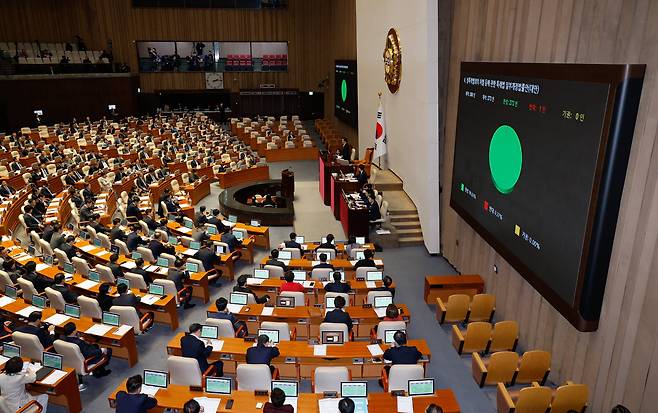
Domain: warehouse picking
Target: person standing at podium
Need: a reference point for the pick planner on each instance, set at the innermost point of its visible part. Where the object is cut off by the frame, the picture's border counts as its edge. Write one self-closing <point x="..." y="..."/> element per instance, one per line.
<point x="345" y="150"/>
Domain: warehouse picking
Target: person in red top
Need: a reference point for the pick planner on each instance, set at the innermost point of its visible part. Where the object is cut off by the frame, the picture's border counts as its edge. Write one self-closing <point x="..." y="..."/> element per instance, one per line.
<point x="290" y="284"/>
<point x="392" y="313"/>
<point x="277" y="397"/>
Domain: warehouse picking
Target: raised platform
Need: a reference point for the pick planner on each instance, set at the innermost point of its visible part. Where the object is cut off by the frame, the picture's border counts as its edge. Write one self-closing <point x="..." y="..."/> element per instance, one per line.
<point x="233" y="201"/>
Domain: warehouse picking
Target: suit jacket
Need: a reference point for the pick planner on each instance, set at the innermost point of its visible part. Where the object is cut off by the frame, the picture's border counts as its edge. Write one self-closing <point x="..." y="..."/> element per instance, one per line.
<point x="373" y="212"/>
<point x="337" y="287"/>
<point x="42" y="334"/>
<point x="56" y="240"/>
<point x="178" y="277"/>
<point x="116" y="269"/>
<point x="293" y="244"/>
<point x="403" y="355"/>
<point x="346" y="152"/>
<point x="68" y="249"/>
<point x="69" y="296"/>
<point x="31" y="221"/>
<point x="276" y="263"/>
<point x="194" y="348"/>
<point x="323" y="265"/>
<point x="48" y="233"/>
<point x="40" y="283"/>
<point x="231" y="240"/>
<point x="366" y="262"/>
<point x="133" y="211"/>
<point x="133" y="240"/>
<point x="129" y="300"/>
<point x="338" y="316"/>
<point x="6" y="190"/>
<point x="105" y="302"/>
<point x="117" y="233"/>
<point x="261" y="354"/>
<point x="134" y="403"/>
<point x="87" y="350"/>
<point x="270" y="408"/>
<point x="327" y="245"/>
<point x="157" y="248"/>
<point x="208" y="258"/>
<point x="382" y="288"/>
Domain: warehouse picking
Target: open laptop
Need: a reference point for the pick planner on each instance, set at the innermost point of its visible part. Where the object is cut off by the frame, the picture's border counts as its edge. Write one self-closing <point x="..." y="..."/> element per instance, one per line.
<point x="94" y="276"/>
<point x="218" y="385"/>
<point x="39" y="301"/>
<point x="192" y="266"/>
<point x="233" y="219"/>
<point x="388" y="335"/>
<point x="353" y="389"/>
<point x="382" y="301"/>
<point x="332" y="337"/>
<point x="156" y="289"/>
<point x="261" y="273"/>
<point x="299" y="275"/>
<point x="72" y="310"/>
<point x="423" y="387"/>
<point x="110" y="319"/>
<point x="255" y="222"/>
<point x="209" y="332"/>
<point x="360" y="240"/>
<point x="290" y="388"/>
<point x="122" y="280"/>
<point x="374" y="275"/>
<point x="285" y="302"/>
<point x="360" y="255"/>
<point x="238" y="298"/>
<point x="11" y="350"/>
<point x="273" y="335"/>
<point x="285" y="255"/>
<point x="50" y="362"/>
<point x="299" y="239"/>
<point x="156" y="378"/>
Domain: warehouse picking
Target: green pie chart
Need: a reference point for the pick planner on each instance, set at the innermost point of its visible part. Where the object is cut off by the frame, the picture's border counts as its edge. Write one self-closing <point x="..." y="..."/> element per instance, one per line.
<point x="505" y="159"/>
<point x="343" y="90"/>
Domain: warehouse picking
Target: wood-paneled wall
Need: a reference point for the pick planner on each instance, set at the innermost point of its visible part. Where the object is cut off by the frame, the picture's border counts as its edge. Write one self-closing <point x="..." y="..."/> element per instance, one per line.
<point x="317" y="32"/>
<point x="619" y="362"/>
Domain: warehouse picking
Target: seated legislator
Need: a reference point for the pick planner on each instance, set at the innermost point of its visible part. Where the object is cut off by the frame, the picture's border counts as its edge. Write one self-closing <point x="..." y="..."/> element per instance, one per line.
<point x="69" y="296"/>
<point x="132" y="400"/>
<point x="200" y="218"/>
<point x="337" y="315"/>
<point x="400" y="352"/>
<point x="351" y="244"/>
<point x="92" y="351"/>
<point x="367" y="261"/>
<point x="230" y="239"/>
<point x="346" y="405"/>
<point x="373" y="209"/>
<point x="337" y="286"/>
<point x="361" y="175"/>
<point x="67" y="247"/>
<point x="329" y="243"/>
<point x="323" y="262"/>
<point x="12" y="385"/>
<point x="216" y="220"/>
<point x="241" y="287"/>
<point x="133" y="239"/>
<point x="388" y="281"/>
<point x="128" y="299"/>
<point x="31" y="222"/>
<point x="114" y="266"/>
<point x="157" y="248"/>
<point x="36" y="327"/>
<point x="224" y="314"/>
<point x="105" y="300"/>
<point x="178" y="275"/>
<point x="277" y="403"/>
<point x="116" y="232"/>
<point x="291" y="284"/>
<point x="39" y="281"/>
<point x="192" y="406"/>
<point x="263" y="352"/>
<point x="193" y="346"/>
<point x="207" y="256"/>
<point x="139" y="269"/>
<point x="274" y="260"/>
<point x="292" y="242"/>
<point x="392" y="313"/>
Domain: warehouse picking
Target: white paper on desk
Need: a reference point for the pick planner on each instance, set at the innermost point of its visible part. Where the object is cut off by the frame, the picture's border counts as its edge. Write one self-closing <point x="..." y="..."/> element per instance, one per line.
<point x="371" y="284"/>
<point x="88" y="248"/>
<point x="144" y="198"/>
<point x="149" y="390"/>
<point x="353" y="263"/>
<point x="320" y="350"/>
<point x="129" y="265"/>
<point x="228" y="223"/>
<point x="305" y="247"/>
<point x="152" y="268"/>
<point x="286" y="262"/>
<point x="308" y="284"/>
<point x="28" y="310"/>
<point x="234" y="308"/>
<point x="149" y="299"/>
<point x="4" y="300"/>
<point x="103" y="254"/>
<point x="57" y="319"/>
<point x="375" y="350"/>
<point x="293" y="402"/>
<point x="405" y="404"/>
<point x="87" y="284"/>
<point x="314" y="263"/>
<point x="379" y="262"/>
<point x="3" y="359"/>
<point x="189" y="252"/>
<point x="42" y="266"/>
<point x="123" y="329"/>
<point x="184" y="230"/>
<point x="217" y="345"/>
<point x="98" y="329"/>
<point x="53" y="377"/>
<point x="254" y="281"/>
<point x="328" y="405"/>
<point x="209" y="404"/>
<point x="381" y="312"/>
<point x="267" y="311"/>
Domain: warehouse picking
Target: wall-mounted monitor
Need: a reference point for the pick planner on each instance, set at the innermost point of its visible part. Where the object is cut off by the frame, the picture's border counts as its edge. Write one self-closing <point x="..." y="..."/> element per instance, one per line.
<point x="346" y="105"/>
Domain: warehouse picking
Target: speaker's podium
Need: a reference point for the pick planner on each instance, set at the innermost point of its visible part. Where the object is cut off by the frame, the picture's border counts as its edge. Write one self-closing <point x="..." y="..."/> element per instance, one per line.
<point x="288" y="184"/>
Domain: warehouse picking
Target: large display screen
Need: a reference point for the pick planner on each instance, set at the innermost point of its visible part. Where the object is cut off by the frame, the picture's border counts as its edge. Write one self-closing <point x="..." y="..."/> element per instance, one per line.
<point x="346" y="105"/>
<point x="539" y="174"/>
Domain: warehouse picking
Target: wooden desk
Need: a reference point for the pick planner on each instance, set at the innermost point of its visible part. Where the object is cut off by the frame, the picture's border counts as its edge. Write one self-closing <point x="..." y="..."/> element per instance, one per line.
<point x="124" y="347"/>
<point x="327" y="166"/>
<point x="338" y="185"/>
<point x="292" y="154"/>
<point x="355" y="220"/>
<point x="198" y="190"/>
<point x="386" y="403"/>
<point x="233" y="178"/>
<point x="339" y="264"/>
<point x="297" y="359"/>
<point x="443" y="286"/>
<point x="260" y="234"/>
<point x="10" y="210"/>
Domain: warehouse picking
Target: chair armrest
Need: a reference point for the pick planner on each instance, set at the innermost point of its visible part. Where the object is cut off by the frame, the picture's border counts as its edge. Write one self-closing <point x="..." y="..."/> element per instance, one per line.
<point x="181" y="294"/>
<point x="293" y="334"/>
<point x="457" y="339"/>
<point x="275" y="374"/>
<point x="210" y="370"/>
<point x="29" y="406"/>
<point x="146" y="321"/>
<point x="504" y="401"/>
<point x="479" y="370"/>
<point x="238" y="332"/>
<point x="491" y="316"/>
<point x="384" y="378"/>
<point x="88" y="362"/>
<point x="441" y="310"/>
<point x="50" y="349"/>
<point x="373" y="334"/>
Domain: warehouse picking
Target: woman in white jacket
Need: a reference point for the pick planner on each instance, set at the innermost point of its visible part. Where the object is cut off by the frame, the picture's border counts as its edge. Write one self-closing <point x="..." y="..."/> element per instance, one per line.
<point x="12" y="385"/>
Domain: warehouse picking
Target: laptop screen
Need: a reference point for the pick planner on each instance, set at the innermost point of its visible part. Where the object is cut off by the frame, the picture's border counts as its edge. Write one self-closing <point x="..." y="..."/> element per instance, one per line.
<point x="261" y="273"/>
<point x="39" y="301"/>
<point x="354" y="389"/>
<point x="114" y="249"/>
<point x="299" y="275"/>
<point x="299" y="239"/>
<point x="388" y="335"/>
<point x="10" y="291"/>
<point x="156" y="289"/>
<point x="69" y="268"/>
<point x="209" y="332"/>
<point x="48" y="259"/>
<point x="233" y="218"/>
<point x="211" y="230"/>
<point x="84" y="235"/>
<point x="72" y="310"/>
<point x="421" y="387"/>
<point x="156" y="378"/>
<point x="135" y="255"/>
<point x="285" y="255"/>
<point x="11" y="350"/>
<point x="122" y="280"/>
<point x="360" y="255"/>
<point x="111" y="319"/>
<point x="188" y="223"/>
<point x="97" y="242"/>
<point x="332" y="337"/>
<point x="239" y="235"/>
<point x="93" y="276"/>
<point x="162" y="262"/>
<point x="220" y="249"/>
<point x="195" y="245"/>
<point x="374" y="275"/>
<point x="52" y="360"/>
<point x="360" y="240"/>
<point x="273" y="335"/>
<point x="255" y="223"/>
<point x="290" y="388"/>
<point x="286" y="302"/>
<point x="172" y="240"/>
<point x="329" y="302"/>
<point x="31" y="250"/>
<point x="383" y="301"/>
<point x="218" y="385"/>
<point x="192" y="266"/>
<point x="238" y="298"/>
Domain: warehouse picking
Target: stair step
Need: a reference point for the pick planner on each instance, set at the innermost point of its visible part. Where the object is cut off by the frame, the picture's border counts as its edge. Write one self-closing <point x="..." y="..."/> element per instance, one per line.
<point x="404" y="217"/>
<point x="406" y="225"/>
<point x="409" y="241"/>
<point x="398" y="212"/>
<point x="409" y="232"/>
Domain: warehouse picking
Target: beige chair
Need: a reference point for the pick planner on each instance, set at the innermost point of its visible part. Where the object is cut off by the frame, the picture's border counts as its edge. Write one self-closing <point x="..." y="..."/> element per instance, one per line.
<point x="453" y="311"/>
<point x="500" y="367"/>
<point x="170" y="258"/>
<point x="61" y="257"/>
<point x="300" y="299"/>
<point x="295" y="253"/>
<point x="331" y="254"/>
<point x="56" y="299"/>
<point x="328" y="379"/>
<point x="147" y="255"/>
<point x="529" y="400"/>
<point x="105" y="241"/>
<point x="27" y="288"/>
<point x="89" y="307"/>
<point x="570" y="397"/>
<point x="252" y="377"/>
<point x="335" y="327"/>
<point x="105" y="274"/>
<point x="505" y="336"/>
<point x="224" y="327"/>
<point x="398" y="377"/>
<point x="5" y="280"/>
<point x="321" y="273"/>
<point x="475" y="338"/>
<point x="282" y="327"/>
<point x="30" y="407"/>
<point x="30" y="345"/>
<point x="482" y="307"/>
<point x="535" y="365"/>
<point x="370" y="298"/>
<point x="73" y="358"/>
<point x="185" y="371"/>
<point x="385" y="326"/>
<point x="136" y="281"/>
<point x="45" y="247"/>
<point x="81" y="266"/>
<point x="170" y="289"/>
<point x="275" y="271"/>
<point x="344" y="295"/>
<point x="128" y="316"/>
<point x="123" y="248"/>
<point x="362" y="271"/>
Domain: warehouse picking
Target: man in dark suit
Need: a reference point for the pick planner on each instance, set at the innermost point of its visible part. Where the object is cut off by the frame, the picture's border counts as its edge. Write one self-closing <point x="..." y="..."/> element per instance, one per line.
<point x="337" y="315"/>
<point x="337" y="286"/>
<point x="127" y="299"/>
<point x="133" y="240"/>
<point x="292" y="243"/>
<point x="329" y="243"/>
<point x="139" y="270"/>
<point x="69" y="296"/>
<point x="323" y="262"/>
<point x="388" y="281"/>
<point x="35" y="327"/>
<point x="132" y="210"/>
<point x="373" y="210"/>
<point x="116" y="232"/>
<point x="216" y="220"/>
<point x="207" y="256"/>
<point x="57" y="238"/>
<point x="241" y="287"/>
<point x="89" y="351"/>
<point x="200" y="217"/>
<point x="361" y="175"/>
<point x="5" y="189"/>
<point x="87" y="211"/>
<point x="367" y="261"/>
<point x="274" y="255"/>
<point x="39" y="281"/>
<point x="400" y="352"/>
<point x="68" y="247"/>
<point x="263" y="353"/>
<point x="76" y="198"/>
<point x="222" y="313"/>
<point x="178" y="275"/>
<point x="31" y="222"/>
<point x="96" y="225"/>
<point x="114" y="266"/>
<point x="49" y="230"/>
<point x="87" y="193"/>
<point x="230" y="239"/>
<point x="158" y="248"/>
<point x="345" y="150"/>
<point x="132" y="401"/>
<point x="193" y="346"/>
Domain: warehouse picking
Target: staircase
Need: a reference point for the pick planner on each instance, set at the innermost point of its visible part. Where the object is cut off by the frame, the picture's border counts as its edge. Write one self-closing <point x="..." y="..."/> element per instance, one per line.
<point x="402" y="211"/>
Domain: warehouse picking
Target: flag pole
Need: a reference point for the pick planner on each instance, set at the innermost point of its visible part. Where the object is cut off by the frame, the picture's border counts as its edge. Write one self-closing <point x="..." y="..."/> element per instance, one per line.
<point x="379" y="158"/>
